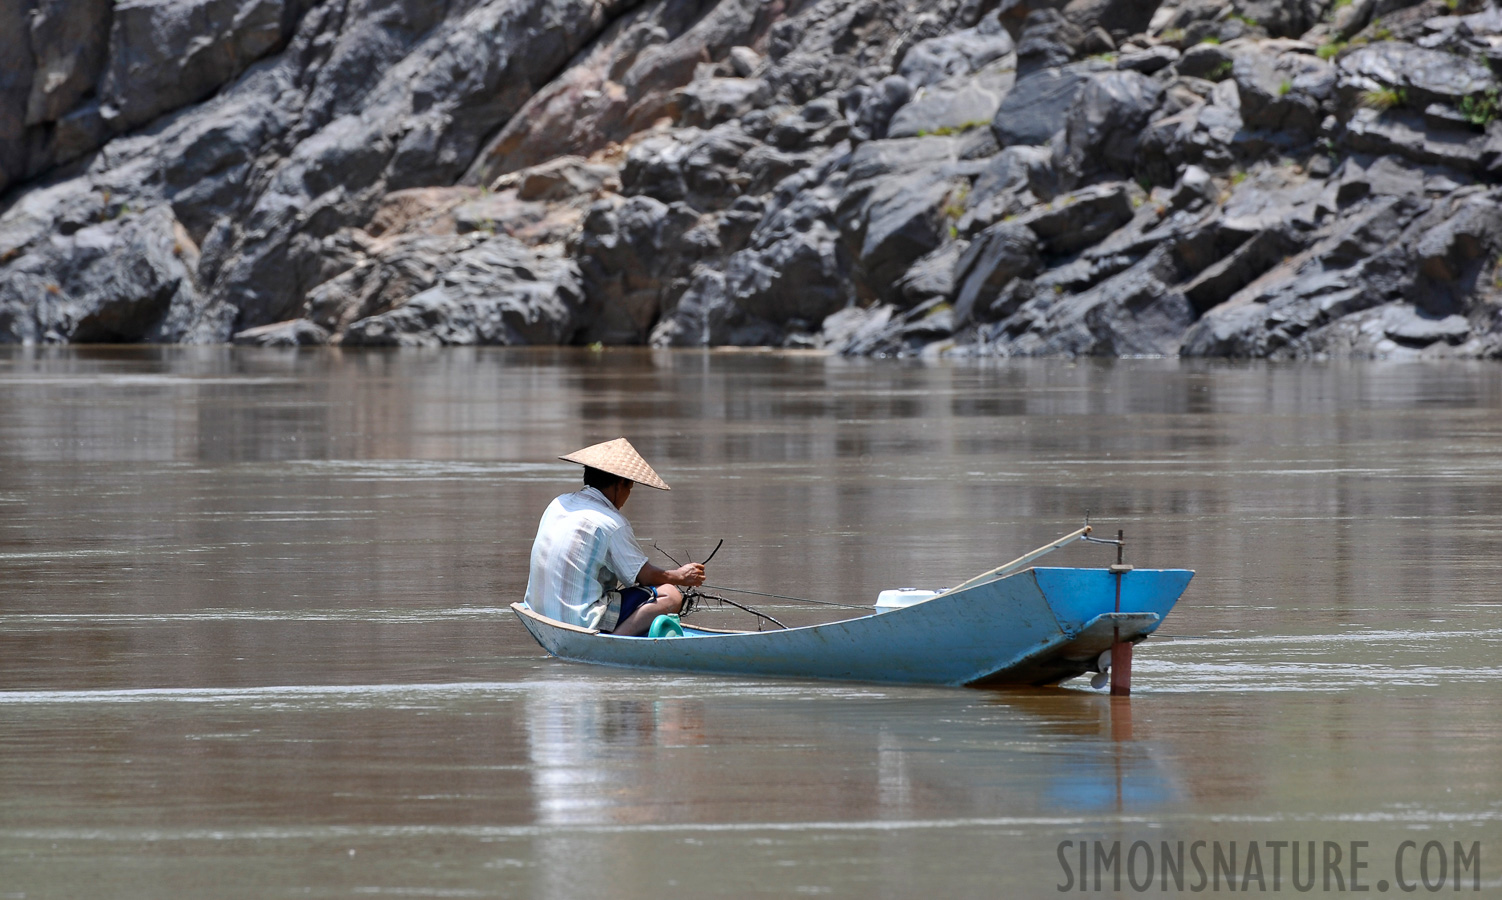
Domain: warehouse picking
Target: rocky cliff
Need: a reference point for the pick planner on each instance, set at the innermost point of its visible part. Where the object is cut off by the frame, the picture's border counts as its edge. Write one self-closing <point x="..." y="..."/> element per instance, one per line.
<point x="1252" y="178"/>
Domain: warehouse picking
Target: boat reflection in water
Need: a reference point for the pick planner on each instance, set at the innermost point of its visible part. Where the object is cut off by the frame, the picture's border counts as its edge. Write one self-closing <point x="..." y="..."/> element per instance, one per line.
<point x="779" y="760"/>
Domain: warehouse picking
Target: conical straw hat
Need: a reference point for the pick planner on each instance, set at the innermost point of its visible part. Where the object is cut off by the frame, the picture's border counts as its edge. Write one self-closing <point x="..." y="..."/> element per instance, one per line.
<point x="618" y="457"/>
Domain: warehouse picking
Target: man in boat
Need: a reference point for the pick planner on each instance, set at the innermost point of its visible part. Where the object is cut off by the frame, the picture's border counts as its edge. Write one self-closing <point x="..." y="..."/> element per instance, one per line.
<point x="585" y="551"/>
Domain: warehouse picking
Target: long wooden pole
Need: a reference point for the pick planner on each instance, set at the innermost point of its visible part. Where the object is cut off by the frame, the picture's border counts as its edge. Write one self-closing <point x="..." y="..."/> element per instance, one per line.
<point x="1022" y="560"/>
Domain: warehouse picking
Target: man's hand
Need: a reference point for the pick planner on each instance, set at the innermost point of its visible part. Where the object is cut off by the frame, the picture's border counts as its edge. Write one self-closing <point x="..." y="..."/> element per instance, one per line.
<point x="690" y="575"/>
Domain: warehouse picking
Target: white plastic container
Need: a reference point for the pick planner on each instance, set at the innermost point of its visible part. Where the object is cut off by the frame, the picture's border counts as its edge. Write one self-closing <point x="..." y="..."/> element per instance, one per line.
<point x="898" y="598"/>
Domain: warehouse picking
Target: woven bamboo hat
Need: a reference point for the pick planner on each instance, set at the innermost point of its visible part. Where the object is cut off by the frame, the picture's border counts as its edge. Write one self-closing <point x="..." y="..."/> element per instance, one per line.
<point x="618" y="457"/>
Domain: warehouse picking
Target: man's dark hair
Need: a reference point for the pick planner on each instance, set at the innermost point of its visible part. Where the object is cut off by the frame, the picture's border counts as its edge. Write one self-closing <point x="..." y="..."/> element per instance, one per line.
<point x="601" y="480"/>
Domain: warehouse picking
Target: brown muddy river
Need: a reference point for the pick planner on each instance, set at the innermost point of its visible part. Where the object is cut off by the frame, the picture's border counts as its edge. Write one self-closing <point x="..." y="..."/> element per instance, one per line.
<point x="254" y="636"/>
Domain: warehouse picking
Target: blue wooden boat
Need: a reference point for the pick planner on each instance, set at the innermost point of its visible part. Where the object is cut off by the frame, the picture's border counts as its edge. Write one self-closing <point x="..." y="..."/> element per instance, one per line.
<point x="1013" y="625"/>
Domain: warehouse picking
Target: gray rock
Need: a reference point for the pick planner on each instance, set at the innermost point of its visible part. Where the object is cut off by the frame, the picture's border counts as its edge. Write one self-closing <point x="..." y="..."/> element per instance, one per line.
<point x="1204" y="134"/>
<point x="871" y="109"/>
<point x="959" y="54"/>
<point x="1425" y="75"/>
<point x="792" y="269"/>
<point x="998" y="255"/>
<point x="708" y="170"/>
<point x="1187" y="16"/>
<point x="1195" y="187"/>
<point x="1077" y="220"/>
<point x="124" y="280"/>
<point x="68" y="38"/>
<point x="559" y="179"/>
<point x="932" y="276"/>
<point x="1148" y="61"/>
<point x="1034" y="110"/>
<point x="1134" y="313"/>
<point x="1415" y="328"/>
<point x="710" y="101"/>
<point x="1048" y="41"/>
<point x="1219" y="282"/>
<point x="817" y="124"/>
<point x="1409" y="135"/>
<point x="1454" y="252"/>
<point x="898" y="204"/>
<point x="293" y="333"/>
<point x="956" y="105"/>
<point x="883" y="331"/>
<point x="829" y="47"/>
<point x="167" y="53"/>
<point x="1011" y="183"/>
<point x="1281" y="18"/>
<point x="496" y="292"/>
<point x="1117" y="16"/>
<point x="17" y="71"/>
<point x="630" y="77"/>
<point x="1274" y="197"/>
<point x="1362" y="264"/>
<point x="1205" y="60"/>
<point x="1384" y="176"/>
<point x="1101" y="129"/>
<point x="355" y="107"/>
<point x="1290" y="91"/>
<point x="634" y="260"/>
<point x="855" y="326"/>
<point x="744" y="61"/>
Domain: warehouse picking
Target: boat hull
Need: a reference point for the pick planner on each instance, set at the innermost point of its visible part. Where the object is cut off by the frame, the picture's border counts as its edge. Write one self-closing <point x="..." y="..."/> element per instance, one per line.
<point x="1038" y="626"/>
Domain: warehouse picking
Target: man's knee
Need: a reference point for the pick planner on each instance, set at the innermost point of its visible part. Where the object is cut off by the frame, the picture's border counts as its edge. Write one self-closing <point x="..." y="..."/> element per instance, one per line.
<point x="670" y="596"/>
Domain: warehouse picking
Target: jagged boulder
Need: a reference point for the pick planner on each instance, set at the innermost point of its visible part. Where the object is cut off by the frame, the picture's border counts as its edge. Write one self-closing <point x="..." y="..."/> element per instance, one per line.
<point x="293" y="333"/>
<point x="1114" y="16"/>
<point x="495" y="292"/>
<point x="1034" y="110"/>
<point x="960" y="53"/>
<point x="353" y="108"/>
<point x="1010" y="184"/>
<point x="1288" y="91"/>
<point x="1133" y="313"/>
<point x="1419" y="139"/>
<point x="74" y="73"/>
<point x="1282" y="18"/>
<point x="710" y="101"/>
<point x="1453" y="250"/>
<point x="169" y="53"/>
<point x="1203" y="134"/>
<point x="1075" y="221"/>
<point x="986" y="271"/>
<point x="633" y="261"/>
<point x="899" y="203"/>
<point x="932" y="276"/>
<point x="1048" y="40"/>
<point x="870" y="109"/>
<point x="69" y="41"/>
<point x="1208" y="60"/>
<point x="634" y="75"/>
<point x="1423" y="75"/>
<point x="960" y="80"/>
<point x="1362" y="264"/>
<point x="122" y="280"/>
<point x="1103" y="124"/>
<point x="791" y="275"/>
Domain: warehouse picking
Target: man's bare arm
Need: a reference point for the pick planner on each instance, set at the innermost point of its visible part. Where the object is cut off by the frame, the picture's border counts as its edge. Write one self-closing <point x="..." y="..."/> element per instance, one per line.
<point x="690" y="575"/>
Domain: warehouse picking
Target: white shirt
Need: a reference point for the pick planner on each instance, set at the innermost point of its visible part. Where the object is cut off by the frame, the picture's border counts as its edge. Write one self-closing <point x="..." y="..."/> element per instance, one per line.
<point x="584" y="548"/>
